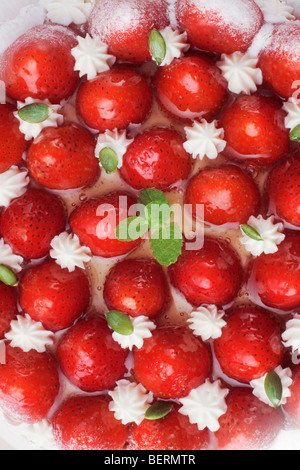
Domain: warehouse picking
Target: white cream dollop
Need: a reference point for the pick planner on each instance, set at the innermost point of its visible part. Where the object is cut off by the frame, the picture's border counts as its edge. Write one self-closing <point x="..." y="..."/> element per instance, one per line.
<point x="258" y="386"/>
<point x="32" y="130"/>
<point x="68" y="252"/>
<point x="142" y="329"/>
<point x="28" y="334"/>
<point x="40" y="434"/>
<point x="292" y="108"/>
<point x="8" y="258"/>
<point x="207" y="322"/>
<point x="205" y="405"/>
<point x="291" y="335"/>
<point x="66" y="12"/>
<point x="13" y="184"/>
<point x="115" y="140"/>
<point x="91" y="57"/>
<point x="241" y="72"/>
<point x="204" y="139"/>
<point x="276" y="11"/>
<point x="130" y="402"/>
<point x="176" y="44"/>
<point x="270" y="232"/>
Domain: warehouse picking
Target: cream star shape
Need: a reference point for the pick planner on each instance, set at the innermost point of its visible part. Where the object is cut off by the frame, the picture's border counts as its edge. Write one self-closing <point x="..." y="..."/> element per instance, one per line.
<point x="66" y="12"/>
<point x="130" y="402"/>
<point x="241" y="72"/>
<point x="270" y="232"/>
<point x="68" y="252"/>
<point x="116" y="140"/>
<point x="292" y="108"/>
<point x="258" y="386"/>
<point x="207" y="322"/>
<point x="176" y="44"/>
<point x="28" y="334"/>
<point x="291" y="335"/>
<point x="204" y="139"/>
<point x="13" y="184"/>
<point x="142" y="329"/>
<point x="8" y="258"/>
<point x="276" y="11"/>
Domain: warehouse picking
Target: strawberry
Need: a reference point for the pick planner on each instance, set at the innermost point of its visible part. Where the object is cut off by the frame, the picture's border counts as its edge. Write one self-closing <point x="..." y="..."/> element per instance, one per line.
<point x="89" y="342"/>
<point x="8" y="307"/>
<point x="12" y="141"/>
<point x="114" y="99"/>
<point x="254" y="130"/>
<point x="212" y="26"/>
<point x="29" y="384"/>
<point x="191" y="87"/>
<point x="39" y="64"/>
<point x="250" y="345"/>
<point x="54" y="296"/>
<point x="95" y="222"/>
<point x="211" y="275"/>
<point x="280" y="59"/>
<point x="31" y="222"/>
<point x="172" y="362"/>
<point x="86" y="423"/>
<point x="282" y="191"/>
<point x="64" y="158"/>
<point x="248" y="424"/>
<point x="137" y="287"/>
<point x="274" y="280"/>
<point x="125" y="26"/>
<point x="156" y="158"/>
<point x="173" y="432"/>
<point x="292" y="406"/>
<point x="229" y="195"/>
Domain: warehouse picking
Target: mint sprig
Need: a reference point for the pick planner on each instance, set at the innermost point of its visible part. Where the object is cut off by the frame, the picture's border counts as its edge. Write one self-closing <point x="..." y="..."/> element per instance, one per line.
<point x="273" y="388"/>
<point x="157" y="46"/>
<point x="251" y="232"/>
<point x="158" y="410"/>
<point x="35" y="113"/>
<point x="7" y="276"/>
<point x="108" y="159"/>
<point x="119" y="322"/>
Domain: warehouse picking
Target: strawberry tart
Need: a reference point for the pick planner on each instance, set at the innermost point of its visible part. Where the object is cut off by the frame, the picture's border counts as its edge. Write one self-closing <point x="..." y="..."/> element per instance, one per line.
<point x="149" y="225"/>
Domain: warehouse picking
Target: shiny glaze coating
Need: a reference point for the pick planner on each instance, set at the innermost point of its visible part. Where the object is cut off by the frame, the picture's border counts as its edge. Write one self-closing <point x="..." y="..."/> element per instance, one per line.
<point x="12" y="141"/>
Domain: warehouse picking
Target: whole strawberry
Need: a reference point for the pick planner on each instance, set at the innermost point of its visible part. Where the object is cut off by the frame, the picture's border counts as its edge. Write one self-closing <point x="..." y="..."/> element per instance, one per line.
<point x="191" y="88"/>
<point x="254" y="130"/>
<point x="63" y="158"/>
<point x="96" y="220"/>
<point x="137" y="287"/>
<point x="156" y="158"/>
<point x="89" y="342"/>
<point x="12" y="141"/>
<point x="250" y="345"/>
<point x="125" y="26"/>
<point x="173" y="432"/>
<point x="114" y="99"/>
<point x="39" y="64"/>
<point x="248" y="424"/>
<point x="30" y="223"/>
<point x="213" y="26"/>
<point x="172" y="362"/>
<point x="54" y="296"/>
<point x="210" y="275"/>
<point x="8" y="307"/>
<point x="274" y="280"/>
<point x="86" y="423"/>
<point x="292" y="406"/>
<point x="29" y="384"/>
<point x="229" y="195"/>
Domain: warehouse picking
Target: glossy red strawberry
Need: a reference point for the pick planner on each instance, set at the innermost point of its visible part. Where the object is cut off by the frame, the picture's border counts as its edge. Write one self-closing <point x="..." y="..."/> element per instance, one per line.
<point x="86" y="423"/>
<point x="254" y="130"/>
<point x="282" y="191"/>
<point x="172" y="362"/>
<point x="12" y="141"/>
<point x="64" y="158"/>
<point x="114" y="99"/>
<point x="29" y="384"/>
<point x="280" y="59"/>
<point x="125" y="26"/>
<point x="54" y="296"/>
<point x="31" y="222"/>
<point x="274" y="280"/>
<point x="292" y="406"/>
<point x="137" y="287"/>
<point x="248" y="424"/>
<point x="89" y="357"/>
<point x="229" y="195"/>
<point x="210" y="275"/>
<point x="8" y="307"/>
<point x="173" y="432"/>
<point x="250" y="345"/>
<point x="191" y="87"/>
<point x="156" y="159"/>
<point x="214" y="26"/>
<point x="95" y="222"/>
<point x="39" y="64"/>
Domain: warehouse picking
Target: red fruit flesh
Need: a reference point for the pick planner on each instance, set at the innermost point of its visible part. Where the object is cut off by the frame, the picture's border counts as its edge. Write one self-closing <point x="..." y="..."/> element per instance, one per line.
<point x="8" y="307"/>
<point x="12" y="141"/>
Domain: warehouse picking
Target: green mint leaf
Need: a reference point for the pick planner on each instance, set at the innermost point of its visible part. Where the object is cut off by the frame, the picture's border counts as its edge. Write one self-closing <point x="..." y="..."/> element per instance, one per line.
<point x="273" y="388"/>
<point x="152" y="195"/>
<point x="7" y="276"/>
<point x="157" y="46"/>
<point x="158" y="410"/>
<point x="295" y="134"/>
<point x="108" y="159"/>
<point x="166" y="243"/>
<point x="119" y="322"/>
<point x="251" y="232"/>
<point x="131" y="229"/>
<point x="157" y="214"/>
<point x="35" y="112"/>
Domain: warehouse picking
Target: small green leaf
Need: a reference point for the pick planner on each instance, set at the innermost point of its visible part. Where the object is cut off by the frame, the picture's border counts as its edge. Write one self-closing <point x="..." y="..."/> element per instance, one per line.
<point x="131" y="229"/>
<point x="166" y="244"/>
<point x="7" y="276"/>
<point x="251" y="232"/>
<point x="273" y="388"/>
<point x="108" y="159"/>
<point x="35" y="112"/>
<point x="119" y="322"/>
<point x="295" y="134"/>
<point x="157" y="46"/>
<point x="158" y="410"/>
<point x="152" y="195"/>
